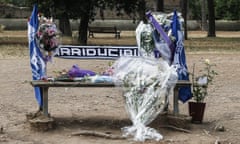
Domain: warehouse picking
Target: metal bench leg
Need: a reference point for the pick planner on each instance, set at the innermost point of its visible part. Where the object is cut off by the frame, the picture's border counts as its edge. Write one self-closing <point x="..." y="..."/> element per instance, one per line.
<point x="90" y="35"/>
<point x="117" y="35"/>
<point x="175" y="101"/>
<point x="45" y="100"/>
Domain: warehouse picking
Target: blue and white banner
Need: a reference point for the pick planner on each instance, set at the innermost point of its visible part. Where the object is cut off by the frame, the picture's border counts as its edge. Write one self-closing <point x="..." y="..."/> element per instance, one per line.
<point x="95" y="52"/>
<point x="36" y="60"/>
<point x="164" y="36"/>
<point x="180" y="59"/>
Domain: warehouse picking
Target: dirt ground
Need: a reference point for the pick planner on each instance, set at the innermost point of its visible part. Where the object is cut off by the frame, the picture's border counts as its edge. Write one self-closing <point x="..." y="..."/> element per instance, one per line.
<point x="102" y="109"/>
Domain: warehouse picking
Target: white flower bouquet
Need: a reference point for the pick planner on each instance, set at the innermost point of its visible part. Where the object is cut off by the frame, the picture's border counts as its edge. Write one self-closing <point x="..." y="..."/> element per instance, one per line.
<point x="146" y="83"/>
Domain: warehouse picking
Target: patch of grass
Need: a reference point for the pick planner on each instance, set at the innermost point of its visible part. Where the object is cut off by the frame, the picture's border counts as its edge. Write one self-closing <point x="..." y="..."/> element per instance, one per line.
<point x="198" y="44"/>
<point x="14" y="40"/>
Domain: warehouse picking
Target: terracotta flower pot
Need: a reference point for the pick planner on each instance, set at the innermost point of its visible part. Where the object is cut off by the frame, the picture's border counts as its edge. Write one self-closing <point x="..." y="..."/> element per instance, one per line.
<point x="196" y="111"/>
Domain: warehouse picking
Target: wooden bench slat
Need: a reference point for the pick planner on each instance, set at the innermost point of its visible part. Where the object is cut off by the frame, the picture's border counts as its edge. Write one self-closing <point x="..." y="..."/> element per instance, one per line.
<point x="44" y="86"/>
<point x="114" y="30"/>
<point x="41" y="83"/>
<point x="69" y="84"/>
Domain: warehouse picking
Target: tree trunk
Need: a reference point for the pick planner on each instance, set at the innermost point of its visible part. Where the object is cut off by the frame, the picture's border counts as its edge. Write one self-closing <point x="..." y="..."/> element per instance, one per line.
<point x="204" y="19"/>
<point x="83" y="29"/>
<point x="211" y="19"/>
<point x="64" y="25"/>
<point x="142" y="11"/>
<point x="184" y="6"/>
<point x="160" y="5"/>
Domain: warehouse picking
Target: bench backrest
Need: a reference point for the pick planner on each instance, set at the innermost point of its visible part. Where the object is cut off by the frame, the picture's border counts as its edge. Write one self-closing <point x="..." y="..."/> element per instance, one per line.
<point x="95" y="52"/>
<point x="103" y="29"/>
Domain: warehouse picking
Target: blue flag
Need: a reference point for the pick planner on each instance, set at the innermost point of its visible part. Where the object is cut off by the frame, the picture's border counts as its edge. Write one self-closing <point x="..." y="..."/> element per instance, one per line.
<point x="180" y="58"/>
<point x="36" y="59"/>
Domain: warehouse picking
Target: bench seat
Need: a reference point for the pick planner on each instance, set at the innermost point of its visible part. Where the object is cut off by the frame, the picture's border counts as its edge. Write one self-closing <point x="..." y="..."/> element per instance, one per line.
<point x="44" y="86"/>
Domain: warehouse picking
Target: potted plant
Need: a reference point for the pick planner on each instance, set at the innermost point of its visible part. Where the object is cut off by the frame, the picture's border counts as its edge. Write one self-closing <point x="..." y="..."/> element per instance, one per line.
<point x="200" y="83"/>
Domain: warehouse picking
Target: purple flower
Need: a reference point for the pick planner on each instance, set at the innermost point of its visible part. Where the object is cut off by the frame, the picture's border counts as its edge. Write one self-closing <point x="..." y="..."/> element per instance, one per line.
<point x="75" y="71"/>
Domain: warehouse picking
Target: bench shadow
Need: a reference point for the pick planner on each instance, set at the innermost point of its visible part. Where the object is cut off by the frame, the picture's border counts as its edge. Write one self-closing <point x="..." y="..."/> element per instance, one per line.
<point x="105" y="122"/>
<point x="91" y="122"/>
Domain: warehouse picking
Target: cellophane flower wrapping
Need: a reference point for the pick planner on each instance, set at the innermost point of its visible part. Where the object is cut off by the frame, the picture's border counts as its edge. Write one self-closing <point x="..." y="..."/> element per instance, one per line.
<point x="146" y="83"/>
<point x="144" y="39"/>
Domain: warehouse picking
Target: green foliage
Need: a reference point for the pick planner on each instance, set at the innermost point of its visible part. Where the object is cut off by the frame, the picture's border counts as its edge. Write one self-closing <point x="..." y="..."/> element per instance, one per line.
<point x="228" y="9"/>
<point x="44" y="7"/>
<point x="20" y="3"/>
<point x="76" y="8"/>
<point x="87" y="10"/>
<point x="224" y="9"/>
<point x="195" y="8"/>
<point x="5" y="1"/>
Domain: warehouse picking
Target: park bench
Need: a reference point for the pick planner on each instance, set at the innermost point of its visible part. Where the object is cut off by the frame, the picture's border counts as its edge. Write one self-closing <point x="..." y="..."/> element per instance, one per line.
<point x="111" y="30"/>
<point x="91" y="53"/>
<point x="95" y="52"/>
<point x="45" y="85"/>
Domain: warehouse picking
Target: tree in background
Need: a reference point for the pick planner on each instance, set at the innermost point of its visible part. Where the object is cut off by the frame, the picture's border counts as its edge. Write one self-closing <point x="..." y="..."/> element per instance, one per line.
<point x="195" y="9"/>
<point x="198" y="9"/>
<point x="160" y="5"/>
<point x="211" y="19"/>
<point x="211" y="15"/>
<point x="141" y="9"/>
<point x="87" y="10"/>
<point x="76" y="9"/>
<point x="20" y="3"/>
<point x="63" y="16"/>
<point x="56" y="9"/>
<point x="228" y="9"/>
<point x="224" y="9"/>
<point x="133" y="8"/>
<point x="204" y="15"/>
<point x="184" y="10"/>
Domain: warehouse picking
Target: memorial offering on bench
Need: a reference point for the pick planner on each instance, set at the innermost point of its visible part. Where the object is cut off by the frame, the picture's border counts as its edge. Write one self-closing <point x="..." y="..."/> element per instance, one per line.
<point x="147" y="80"/>
<point x="146" y="84"/>
<point x="75" y="73"/>
<point x="144" y="39"/>
<point x="47" y="37"/>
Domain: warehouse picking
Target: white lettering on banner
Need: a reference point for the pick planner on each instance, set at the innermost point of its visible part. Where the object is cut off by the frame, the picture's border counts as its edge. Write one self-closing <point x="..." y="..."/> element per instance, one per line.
<point x="91" y="52"/>
<point x="113" y="52"/>
<point x="64" y="51"/>
<point x="100" y="52"/>
<point x="76" y="52"/>
<point x="127" y="53"/>
<point x="83" y="52"/>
